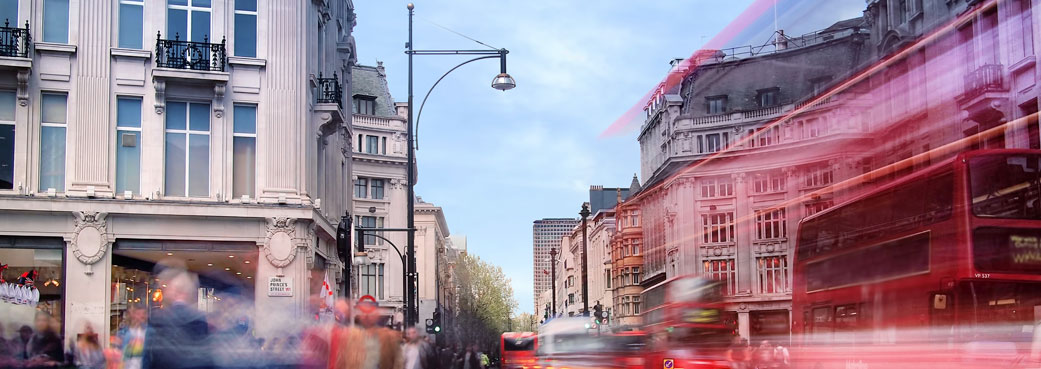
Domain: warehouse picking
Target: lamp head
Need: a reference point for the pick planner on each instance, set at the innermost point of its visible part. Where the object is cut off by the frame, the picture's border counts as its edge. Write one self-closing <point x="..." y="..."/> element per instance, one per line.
<point x="411" y="6"/>
<point x="503" y="82"/>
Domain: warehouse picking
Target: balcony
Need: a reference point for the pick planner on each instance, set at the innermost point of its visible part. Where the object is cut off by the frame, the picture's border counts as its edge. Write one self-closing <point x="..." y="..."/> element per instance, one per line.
<point x="15" y="42"/>
<point x="330" y="117"/>
<point x="329" y="91"/>
<point x="985" y="95"/>
<point x="372" y="121"/>
<point x="191" y="55"/>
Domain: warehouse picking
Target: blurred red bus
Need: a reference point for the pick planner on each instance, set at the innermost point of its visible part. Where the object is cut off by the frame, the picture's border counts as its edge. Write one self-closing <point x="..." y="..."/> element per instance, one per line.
<point x="684" y="321"/>
<point x="941" y="267"/>
<point x="517" y="349"/>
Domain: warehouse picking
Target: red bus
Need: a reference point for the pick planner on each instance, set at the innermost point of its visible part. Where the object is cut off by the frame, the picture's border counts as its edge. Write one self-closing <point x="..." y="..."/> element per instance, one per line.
<point x="941" y="267"/>
<point x="517" y="349"/>
<point x="684" y="321"/>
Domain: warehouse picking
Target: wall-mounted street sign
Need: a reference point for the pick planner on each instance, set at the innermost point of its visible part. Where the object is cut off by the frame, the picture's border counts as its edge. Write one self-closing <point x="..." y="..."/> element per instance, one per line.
<point x="280" y="286"/>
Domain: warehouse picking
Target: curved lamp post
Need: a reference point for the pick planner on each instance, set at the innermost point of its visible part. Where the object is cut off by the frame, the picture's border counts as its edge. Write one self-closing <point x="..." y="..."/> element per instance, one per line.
<point x="503" y="81"/>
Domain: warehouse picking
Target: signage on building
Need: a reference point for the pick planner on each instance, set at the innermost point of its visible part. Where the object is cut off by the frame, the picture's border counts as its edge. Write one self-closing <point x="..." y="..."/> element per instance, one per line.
<point x="280" y="286"/>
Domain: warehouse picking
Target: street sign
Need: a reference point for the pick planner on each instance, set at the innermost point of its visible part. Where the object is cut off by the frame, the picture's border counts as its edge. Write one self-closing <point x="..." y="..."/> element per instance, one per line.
<point x="280" y="286"/>
<point x="367" y="304"/>
<point x="669" y="364"/>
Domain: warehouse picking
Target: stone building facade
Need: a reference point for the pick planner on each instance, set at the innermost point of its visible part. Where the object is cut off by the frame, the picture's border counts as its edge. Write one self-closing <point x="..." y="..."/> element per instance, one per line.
<point x="121" y="148"/>
<point x="546" y="234"/>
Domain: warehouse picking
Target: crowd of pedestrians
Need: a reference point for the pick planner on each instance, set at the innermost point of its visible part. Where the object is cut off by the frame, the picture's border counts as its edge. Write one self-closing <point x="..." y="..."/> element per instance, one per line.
<point x="180" y="336"/>
<point x="766" y="355"/>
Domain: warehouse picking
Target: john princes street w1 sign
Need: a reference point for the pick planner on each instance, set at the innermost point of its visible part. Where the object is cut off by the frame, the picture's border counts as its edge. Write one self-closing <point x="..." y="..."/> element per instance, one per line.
<point x="280" y="286"/>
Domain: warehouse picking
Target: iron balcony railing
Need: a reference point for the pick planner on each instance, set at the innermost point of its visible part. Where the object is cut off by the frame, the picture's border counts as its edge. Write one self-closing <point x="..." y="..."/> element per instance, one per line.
<point x="330" y="90"/>
<point x="986" y="78"/>
<point x="15" y="42"/>
<point x="181" y="54"/>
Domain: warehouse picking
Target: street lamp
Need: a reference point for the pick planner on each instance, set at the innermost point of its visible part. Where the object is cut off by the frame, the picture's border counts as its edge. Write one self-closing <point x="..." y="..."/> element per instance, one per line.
<point x="585" y="269"/>
<point x="503" y="81"/>
<point x="553" y="278"/>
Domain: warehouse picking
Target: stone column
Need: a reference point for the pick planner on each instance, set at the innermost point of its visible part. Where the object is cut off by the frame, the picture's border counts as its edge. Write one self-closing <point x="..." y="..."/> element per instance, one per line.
<point x="286" y="239"/>
<point x="743" y="325"/>
<point x="743" y="231"/>
<point x="88" y="275"/>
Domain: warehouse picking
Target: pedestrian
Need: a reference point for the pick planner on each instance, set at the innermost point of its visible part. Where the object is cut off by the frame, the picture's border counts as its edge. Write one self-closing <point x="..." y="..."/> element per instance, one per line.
<point x="372" y="346"/>
<point x="45" y="347"/>
<point x="469" y="359"/>
<point x="131" y="339"/>
<point x="445" y="356"/>
<point x="415" y="351"/>
<point x="764" y="355"/>
<point x="738" y="353"/>
<point x="178" y="333"/>
<point x="782" y="357"/>
<point x="87" y="352"/>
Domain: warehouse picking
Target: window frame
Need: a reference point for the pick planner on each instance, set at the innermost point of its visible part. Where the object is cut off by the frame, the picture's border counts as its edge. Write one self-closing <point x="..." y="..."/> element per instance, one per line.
<point x="722" y="269"/>
<point x="119" y="129"/>
<point x="722" y="104"/>
<point x="62" y="39"/>
<point x="188" y="132"/>
<point x="773" y="279"/>
<point x="771" y="224"/>
<point x="119" y="24"/>
<point x="189" y="9"/>
<point x="373" y="187"/>
<point x="718" y="227"/>
<point x="363" y="184"/>
<point x="65" y="145"/>
<point x="234" y="134"/>
<point x="773" y="93"/>
<point x="13" y="123"/>
<point x="256" y="17"/>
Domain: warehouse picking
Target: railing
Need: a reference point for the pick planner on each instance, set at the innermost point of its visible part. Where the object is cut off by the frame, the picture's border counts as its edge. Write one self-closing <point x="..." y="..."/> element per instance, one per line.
<point x="374" y="121"/>
<point x="753" y="114"/>
<point x="329" y="90"/>
<point x="180" y="54"/>
<point x="987" y="78"/>
<point x="15" y="42"/>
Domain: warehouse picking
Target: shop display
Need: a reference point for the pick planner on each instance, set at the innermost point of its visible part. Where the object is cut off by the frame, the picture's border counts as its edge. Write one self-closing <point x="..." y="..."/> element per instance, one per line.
<point x="23" y="292"/>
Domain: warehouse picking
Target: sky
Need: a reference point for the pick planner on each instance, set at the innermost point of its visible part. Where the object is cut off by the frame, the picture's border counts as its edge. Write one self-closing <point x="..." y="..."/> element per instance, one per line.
<point x="496" y="161"/>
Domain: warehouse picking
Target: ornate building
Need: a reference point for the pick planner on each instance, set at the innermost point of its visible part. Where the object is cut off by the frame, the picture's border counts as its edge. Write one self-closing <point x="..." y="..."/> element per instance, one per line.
<point x="120" y="149"/>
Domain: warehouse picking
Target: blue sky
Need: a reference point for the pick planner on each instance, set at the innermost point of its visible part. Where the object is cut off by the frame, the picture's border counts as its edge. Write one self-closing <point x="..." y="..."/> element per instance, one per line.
<point x="496" y="161"/>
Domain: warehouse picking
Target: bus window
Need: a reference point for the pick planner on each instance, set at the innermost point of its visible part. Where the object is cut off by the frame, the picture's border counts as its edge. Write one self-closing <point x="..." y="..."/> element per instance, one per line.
<point x="822" y="328"/>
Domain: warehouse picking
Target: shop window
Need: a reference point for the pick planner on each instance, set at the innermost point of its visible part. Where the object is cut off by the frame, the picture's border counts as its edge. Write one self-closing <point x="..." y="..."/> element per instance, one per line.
<point x="128" y="145"/>
<point x="772" y="274"/>
<point x="33" y="298"/>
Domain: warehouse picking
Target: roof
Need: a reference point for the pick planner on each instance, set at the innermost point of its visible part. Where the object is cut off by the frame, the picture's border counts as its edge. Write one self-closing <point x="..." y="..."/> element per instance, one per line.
<point x="372" y="81"/>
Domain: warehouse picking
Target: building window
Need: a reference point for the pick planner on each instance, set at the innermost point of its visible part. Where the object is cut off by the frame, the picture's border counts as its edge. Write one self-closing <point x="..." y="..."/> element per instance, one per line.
<point x="634" y="218"/>
<point x="818" y="176"/>
<point x="712" y="187"/>
<point x="766" y="136"/>
<point x="383" y="148"/>
<point x="768" y="182"/>
<point x="371" y="281"/>
<point x="246" y="28"/>
<point x="713" y="142"/>
<point x="718" y="227"/>
<point x="636" y="275"/>
<point x="1023" y="43"/>
<point x="46" y="258"/>
<point x="9" y="9"/>
<point x="7" y="123"/>
<point x="131" y="26"/>
<point x="767" y="97"/>
<point x="772" y="274"/>
<point x="770" y="224"/>
<point x="571" y="298"/>
<point x="819" y="84"/>
<point x="244" y="164"/>
<point x="187" y="149"/>
<point x="361" y="188"/>
<point x="812" y="128"/>
<point x="607" y="274"/>
<point x="53" y="125"/>
<point x="377" y="189"/>
<point x="717" y="104"/>
<point x="128" y="144"/>
<point x="372" y="145"/>
<point x="189" y="22"/>
<point x="817" y="207"/>
<point x="636" y="305"/>
<point x="56" y="21"/>
<point x="365" y="105"/>
<point x="635" y="247"/>
<point x="722" y="270"/>
<point x="371" y="222"/>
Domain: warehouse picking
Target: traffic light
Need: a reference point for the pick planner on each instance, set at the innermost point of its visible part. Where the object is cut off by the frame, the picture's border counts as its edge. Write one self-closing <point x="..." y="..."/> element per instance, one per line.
<point x="598" y="313"/>
<point x="430" y="326"/>
<point x="436" y="322"/>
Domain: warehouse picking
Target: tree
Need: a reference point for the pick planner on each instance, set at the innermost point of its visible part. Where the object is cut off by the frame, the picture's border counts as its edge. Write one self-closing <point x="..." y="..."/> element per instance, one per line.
<point x="485" y="302"/>
<point x="525" y="322"/>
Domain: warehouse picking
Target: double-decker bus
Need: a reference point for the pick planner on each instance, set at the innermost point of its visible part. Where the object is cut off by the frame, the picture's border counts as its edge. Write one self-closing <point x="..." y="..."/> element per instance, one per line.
<point x="517" y="349"/>
<point x="941" y="267"/>
<point x="684" y="321"/>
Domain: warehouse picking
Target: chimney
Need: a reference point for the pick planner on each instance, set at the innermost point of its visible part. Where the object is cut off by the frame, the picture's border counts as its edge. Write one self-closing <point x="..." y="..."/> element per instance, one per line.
<point x="780" y="40"/>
